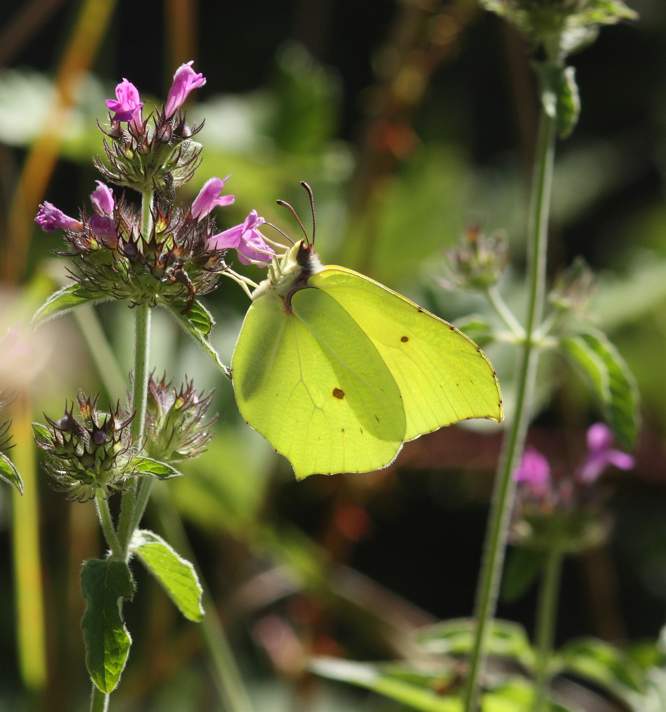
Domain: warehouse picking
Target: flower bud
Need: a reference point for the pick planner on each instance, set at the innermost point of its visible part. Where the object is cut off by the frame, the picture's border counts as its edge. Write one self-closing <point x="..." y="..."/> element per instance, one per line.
<point x="573" y="287"/>
<point x="177" y="427"/>
<point x="87" y="452"/>
<point x="478" y="261"/>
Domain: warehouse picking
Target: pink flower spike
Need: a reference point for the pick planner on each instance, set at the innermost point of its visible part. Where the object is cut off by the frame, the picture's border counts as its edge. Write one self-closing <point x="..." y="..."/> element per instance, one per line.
<point x="184" y="81"/>
<point x="102" y="199"/>
<point x="209" y="197"/>
<point x="534" y="472"/>
<point x="602" y="455"/>
<point x="127" y="105"/>
<point x="246" y="239"/>
<point x="50" y="218"/>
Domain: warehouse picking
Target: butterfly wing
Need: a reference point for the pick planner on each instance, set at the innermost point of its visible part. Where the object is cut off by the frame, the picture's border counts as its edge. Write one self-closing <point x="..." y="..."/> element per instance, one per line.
<point x="314" y="385"/>
<point x="443" y="376"/>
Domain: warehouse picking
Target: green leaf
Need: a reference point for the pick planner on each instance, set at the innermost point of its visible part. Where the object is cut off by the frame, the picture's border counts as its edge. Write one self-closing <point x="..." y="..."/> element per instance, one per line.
<point x="559" y="96"/>
<point x="611" y="380"/>
<point x="419" y="694"/>
<point x="198" y="323"/>
<point x="604" y="665"/>
<point x="62" y="301"/>
<point x="153" y="468"/>
<point x="9" y="473"/>
<point x="522" y="569"/>
<point x="456" y="637"/>
<point x="477" y="328"/>
<point x="105" y="584"/>
<point x="175" y="574"/>
<point x="435" y="688"/>
<point x="41" y="433"/>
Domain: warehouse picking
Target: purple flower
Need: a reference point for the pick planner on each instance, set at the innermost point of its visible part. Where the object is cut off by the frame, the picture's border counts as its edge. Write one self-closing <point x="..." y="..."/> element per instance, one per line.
<point x="184" y="81"/>
<point x="246" y="240"/>
<point x="209" y="197"/>
<point x="102" y="199"/>
<point x="534" y="472"/>
<point x="601" y="454"/>
<point x="127" y="105"/>
<point x="50" y="218"/>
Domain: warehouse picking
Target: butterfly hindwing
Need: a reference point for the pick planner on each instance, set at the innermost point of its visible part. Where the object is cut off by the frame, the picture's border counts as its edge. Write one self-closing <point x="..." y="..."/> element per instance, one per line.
<point x="316" y="387"/>
<point x="442" y="375"/>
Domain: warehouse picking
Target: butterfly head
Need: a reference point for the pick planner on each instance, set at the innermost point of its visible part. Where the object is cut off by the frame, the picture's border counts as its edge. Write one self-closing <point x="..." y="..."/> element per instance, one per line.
<point x="291" y="270"/>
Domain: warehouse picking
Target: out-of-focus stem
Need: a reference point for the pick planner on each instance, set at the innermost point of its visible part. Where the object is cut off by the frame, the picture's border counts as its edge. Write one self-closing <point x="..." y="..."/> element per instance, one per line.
<point x="545" y="627"/>
<point x="28" y="589"/>
<point x="503" y="495"/>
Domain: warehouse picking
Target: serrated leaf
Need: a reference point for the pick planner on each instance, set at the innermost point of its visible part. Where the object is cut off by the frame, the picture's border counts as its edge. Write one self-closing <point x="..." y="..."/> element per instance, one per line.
<point x="153" y="468"/>
<point x="456" y="637"/>
<point x="63" y="301"/>
<point x="9" y="473"/>
<point x="174" y="573"/>
<point x="197" y="322"/>
<point x="611" y="380"/>
<point x="41" y="433"/>
<point x="522" y="569"/>
<point x="105" y="585"/>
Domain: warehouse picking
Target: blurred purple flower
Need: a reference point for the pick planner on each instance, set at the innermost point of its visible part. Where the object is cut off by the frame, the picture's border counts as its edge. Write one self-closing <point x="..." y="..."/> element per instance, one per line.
<point x="50" y="218"/>
<point x="601" y="454"/>
<point x="246" y="239"/>
<point x="102" y="199"/>
<point x="210" y="196"/>
<point x="127" y="105"/>
<point x="184" y="81"/>
<point x="534" y="472"/>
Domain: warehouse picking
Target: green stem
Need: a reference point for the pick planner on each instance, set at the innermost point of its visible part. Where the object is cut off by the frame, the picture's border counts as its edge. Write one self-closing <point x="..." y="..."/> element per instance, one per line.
<point x="99" y="701"/>
<point x="502" y="310"/>
<point x="503" y="495"/>
<point x="227" y="676"/>
<point x="545" y="627"/>
<point x="106" y="522"/>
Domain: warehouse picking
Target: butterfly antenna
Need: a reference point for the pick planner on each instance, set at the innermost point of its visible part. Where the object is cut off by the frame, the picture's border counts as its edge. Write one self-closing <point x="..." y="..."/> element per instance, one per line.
<point x="282" y="232"/>
<point x="290" y="207"/>
<point x="308" y="189"/>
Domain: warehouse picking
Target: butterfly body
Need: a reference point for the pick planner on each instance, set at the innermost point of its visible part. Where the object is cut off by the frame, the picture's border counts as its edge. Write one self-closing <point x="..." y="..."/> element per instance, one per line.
<point x="337" y="371"/>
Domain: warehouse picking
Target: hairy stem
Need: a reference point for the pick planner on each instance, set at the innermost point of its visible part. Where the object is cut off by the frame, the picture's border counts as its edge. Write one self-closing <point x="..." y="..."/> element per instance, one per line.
<point x="99" y="701"/>
<point x="106" y="522"/>
<point x="545" y="627"/>
<point x="503" y="495"/>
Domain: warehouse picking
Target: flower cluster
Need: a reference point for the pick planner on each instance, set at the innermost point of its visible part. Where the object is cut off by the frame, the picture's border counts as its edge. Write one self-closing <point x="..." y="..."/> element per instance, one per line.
<point x="478" y="261"/>
<point x="87" y="452"/>
<point x="173" y="254"/>
<point x="560" y="25"/>
<point x="565" y="511"/>
<point x="176" y="424"/>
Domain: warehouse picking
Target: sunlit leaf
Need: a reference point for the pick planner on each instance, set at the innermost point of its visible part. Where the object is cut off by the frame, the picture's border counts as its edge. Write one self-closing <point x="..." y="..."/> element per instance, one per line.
<point x="153" y="468"/>
<point x="175" y="574"/>
<point x="9" y="473"/>
<point x="62" y="301"/>
<point x="198" y="322"/>
<point x="105" y="584"/>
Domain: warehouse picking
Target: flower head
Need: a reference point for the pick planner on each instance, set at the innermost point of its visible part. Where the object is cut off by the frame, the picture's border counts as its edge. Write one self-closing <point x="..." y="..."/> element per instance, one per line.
<point x="209" y="197"/>
<point x="601" y="454"/>
<point x="185" y="80"/>
<point x="127" y="105"/>
<point x="87" y="451"/>
<point x="246" y="239"/>
<point x="102" y="199"/>
<point x="50" y="218"/>
<point x="534" y="472"/>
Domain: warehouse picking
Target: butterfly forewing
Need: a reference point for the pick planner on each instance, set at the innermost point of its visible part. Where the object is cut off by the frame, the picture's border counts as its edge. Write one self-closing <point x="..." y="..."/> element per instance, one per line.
<point x="442" y="375"/>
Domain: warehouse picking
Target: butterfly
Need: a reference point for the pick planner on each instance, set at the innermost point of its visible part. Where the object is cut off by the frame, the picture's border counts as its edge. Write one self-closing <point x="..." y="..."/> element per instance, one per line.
<point x="337" y="371"/>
